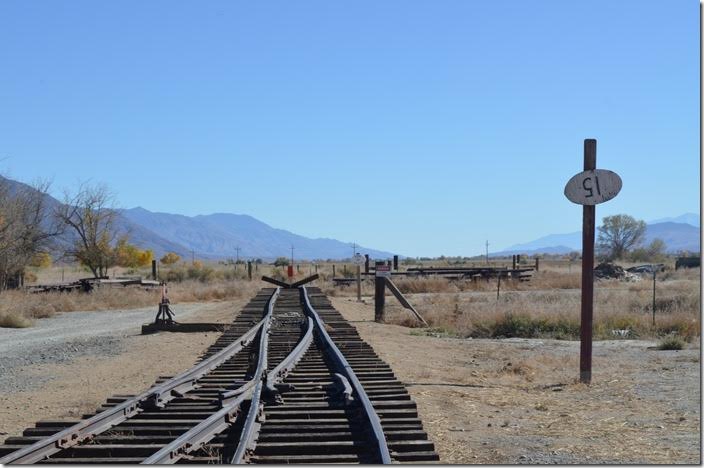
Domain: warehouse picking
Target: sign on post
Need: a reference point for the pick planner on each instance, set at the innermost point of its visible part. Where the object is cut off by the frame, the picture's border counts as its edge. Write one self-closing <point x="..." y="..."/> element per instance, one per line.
<point x="383" y="271"/>
<point x="593" y="187"/>
<point x="358" y="259"/>
<point x="589" y="188"/>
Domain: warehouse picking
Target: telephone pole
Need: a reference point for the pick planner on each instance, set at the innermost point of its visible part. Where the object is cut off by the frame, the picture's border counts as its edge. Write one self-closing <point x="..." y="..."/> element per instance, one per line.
<point x="487" y="252"/>
<point x="292" y="247"/>
<point x="237" y="249"/>
<point x="354" y="249"/>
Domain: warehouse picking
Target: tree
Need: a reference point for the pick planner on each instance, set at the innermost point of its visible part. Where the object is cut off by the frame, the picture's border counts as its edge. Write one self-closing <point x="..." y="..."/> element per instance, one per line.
<point x="40" y="260"/>
<point x="281" y="261"/>
<point x="26" y="228"/>
<point x="90" y="215"/>
<point x="169" y="259"/>
<point x="618" y="234"/>
<point x="129" y="256"/>
<point x="654" y="252"/>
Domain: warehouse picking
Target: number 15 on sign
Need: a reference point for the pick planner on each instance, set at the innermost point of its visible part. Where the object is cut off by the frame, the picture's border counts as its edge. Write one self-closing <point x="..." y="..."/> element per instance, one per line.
<point x="593" y="187"/>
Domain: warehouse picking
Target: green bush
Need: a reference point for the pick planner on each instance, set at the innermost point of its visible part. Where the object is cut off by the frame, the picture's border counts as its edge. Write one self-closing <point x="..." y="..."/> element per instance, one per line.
<point x="525" y="326"/>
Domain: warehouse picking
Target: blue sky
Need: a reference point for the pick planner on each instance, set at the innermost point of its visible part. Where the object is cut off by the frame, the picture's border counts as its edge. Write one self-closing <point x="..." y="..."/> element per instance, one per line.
<point x="422" y="128"/>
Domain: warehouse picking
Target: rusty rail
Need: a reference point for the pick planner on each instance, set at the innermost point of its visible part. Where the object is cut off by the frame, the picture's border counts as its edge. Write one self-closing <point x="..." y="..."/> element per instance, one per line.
<point x="345" y="369"/>
<point x="156" y="396"/>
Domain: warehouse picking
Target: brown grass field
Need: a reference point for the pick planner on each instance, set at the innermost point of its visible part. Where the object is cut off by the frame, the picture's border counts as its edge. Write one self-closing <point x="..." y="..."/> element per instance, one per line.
<point x="547" y="306"/>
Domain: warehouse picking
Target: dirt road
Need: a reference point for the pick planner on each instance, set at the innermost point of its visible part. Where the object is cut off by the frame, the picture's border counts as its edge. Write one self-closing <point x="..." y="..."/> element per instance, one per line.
<point x="68" y="365"/>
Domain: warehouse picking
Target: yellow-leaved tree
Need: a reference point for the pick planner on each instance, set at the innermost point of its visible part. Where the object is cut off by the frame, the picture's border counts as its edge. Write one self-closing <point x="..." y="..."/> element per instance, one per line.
<point x="170" y="258"/>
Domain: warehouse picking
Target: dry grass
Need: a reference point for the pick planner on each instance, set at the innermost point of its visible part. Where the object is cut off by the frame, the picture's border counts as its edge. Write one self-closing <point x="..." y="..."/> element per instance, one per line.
<point x="14" y="320"/>
<point x="535" y="310"/>
<point x="18" y="308"/>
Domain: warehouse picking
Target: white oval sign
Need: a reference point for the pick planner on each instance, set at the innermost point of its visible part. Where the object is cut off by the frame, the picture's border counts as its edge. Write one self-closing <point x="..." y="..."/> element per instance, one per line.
<point x="593" y="187"/>
<point x="358" y="259"/>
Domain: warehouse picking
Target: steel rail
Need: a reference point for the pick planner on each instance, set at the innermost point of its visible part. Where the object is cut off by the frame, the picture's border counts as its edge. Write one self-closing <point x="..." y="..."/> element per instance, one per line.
<point x="280" y="372"/>
<point x="155" y="396"/>
<point x="345" y="368"/>
<point x="252" y="425"/>
<point x="203" y="432"/>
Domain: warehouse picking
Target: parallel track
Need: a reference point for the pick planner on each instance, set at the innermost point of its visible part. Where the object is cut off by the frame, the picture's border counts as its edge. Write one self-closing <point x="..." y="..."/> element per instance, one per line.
<point x="319" y="394"/>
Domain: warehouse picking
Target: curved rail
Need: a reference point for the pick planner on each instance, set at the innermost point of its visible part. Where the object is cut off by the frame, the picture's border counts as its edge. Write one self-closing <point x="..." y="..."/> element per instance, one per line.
<point x="347" y="371"/>
<point x="157" y="396"/>
<point x="203" y="432"/>
<point x="248" y="438"/>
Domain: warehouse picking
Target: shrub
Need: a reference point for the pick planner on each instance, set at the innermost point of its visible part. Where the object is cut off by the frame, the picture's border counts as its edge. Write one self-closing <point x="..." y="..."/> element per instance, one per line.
<point x="14" y="320"/>
<point x="671" y="342"/>
<point x="169" y="259"/>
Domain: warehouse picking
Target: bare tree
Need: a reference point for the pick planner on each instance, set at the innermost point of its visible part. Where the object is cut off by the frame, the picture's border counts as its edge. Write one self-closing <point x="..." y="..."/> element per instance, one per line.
<point x="90" y="215"/>
<point x="618" y="234"/>
<point x="27" y="228"/>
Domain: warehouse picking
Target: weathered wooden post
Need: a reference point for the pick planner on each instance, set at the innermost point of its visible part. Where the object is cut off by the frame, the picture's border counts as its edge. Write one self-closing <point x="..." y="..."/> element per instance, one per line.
<point x="518" y="260"/>
<point x="382" y="271"/>
<point x="395" y="262"/>
<point x="333" y="270"/>
<point x="498" y="284"/>
<point x="388" y="263"/>
<point x="358" y="261"/>
<point x="366" y="263"/>
<point x="513" y="261"/>
<point x="588" y="228"/>
<point x="654" y="272"/>
<point x="589" y="188"/>
<point x="154" y="270"/>
<point x="359" y="283"/>
<point x="249" y="270"/>
<point x="537" y="263"/>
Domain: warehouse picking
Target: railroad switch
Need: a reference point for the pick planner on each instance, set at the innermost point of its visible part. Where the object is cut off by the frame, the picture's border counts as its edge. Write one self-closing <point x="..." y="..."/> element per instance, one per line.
<point x="165" y="316"/>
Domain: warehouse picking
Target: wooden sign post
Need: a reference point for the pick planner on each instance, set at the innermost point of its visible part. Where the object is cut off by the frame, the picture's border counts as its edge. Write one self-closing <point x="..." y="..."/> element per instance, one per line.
<point x="359" y="261"/>
<point x="589" y="188"/>
<point x="381" y="273"/>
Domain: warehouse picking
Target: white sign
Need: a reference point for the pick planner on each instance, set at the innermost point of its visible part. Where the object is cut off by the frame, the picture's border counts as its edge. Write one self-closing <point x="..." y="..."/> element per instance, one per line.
<point x="358" y="259"/>
<point x="383" y="271"/>
<point x="593" y="187"/>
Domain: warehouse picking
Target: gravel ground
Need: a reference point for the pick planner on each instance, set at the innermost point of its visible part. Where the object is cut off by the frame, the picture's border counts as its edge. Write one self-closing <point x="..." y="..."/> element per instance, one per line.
<point x="69" y="336"/>
<point x="518" y="401"/>
<point x="66" y="366"/>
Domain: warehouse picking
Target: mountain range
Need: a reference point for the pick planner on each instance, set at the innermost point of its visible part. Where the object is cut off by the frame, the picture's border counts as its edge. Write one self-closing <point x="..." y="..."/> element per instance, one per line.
<point x="214" y="236"/>
<point x="218" y="235"/>
<point x="678" y="233"/>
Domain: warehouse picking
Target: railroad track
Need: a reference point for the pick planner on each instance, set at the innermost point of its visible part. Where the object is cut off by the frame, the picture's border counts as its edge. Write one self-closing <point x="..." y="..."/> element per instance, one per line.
<point x="290" y="381"/>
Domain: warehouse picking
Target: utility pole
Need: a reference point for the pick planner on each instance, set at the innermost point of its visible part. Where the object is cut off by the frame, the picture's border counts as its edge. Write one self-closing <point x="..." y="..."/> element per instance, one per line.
<point x="354" y="249"/>
<point x="193" y="256"/>
<point x="487" y="252"/>
<point x="237" y="260"/>
<point x="292" y="247"/>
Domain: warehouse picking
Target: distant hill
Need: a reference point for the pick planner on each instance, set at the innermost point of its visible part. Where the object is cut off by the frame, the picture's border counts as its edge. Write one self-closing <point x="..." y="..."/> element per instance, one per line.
<point x="676" y="235"/>
<point x="218" y="235"/>
<point x="687" y="218"/>
<point x="213" y="236"/>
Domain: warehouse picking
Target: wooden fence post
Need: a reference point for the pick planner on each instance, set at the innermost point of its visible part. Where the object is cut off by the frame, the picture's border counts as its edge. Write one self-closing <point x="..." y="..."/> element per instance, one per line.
<point x="379" y="289"/>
